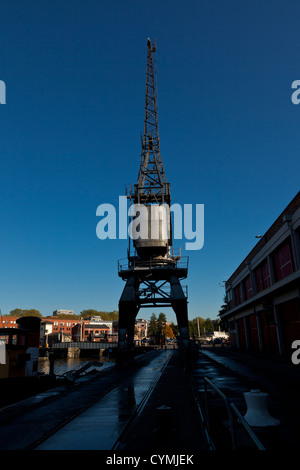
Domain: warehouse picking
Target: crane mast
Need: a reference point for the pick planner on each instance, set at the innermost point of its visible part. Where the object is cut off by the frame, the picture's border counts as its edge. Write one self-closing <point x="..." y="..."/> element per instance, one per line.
<point x="152" y="189"/>
<point x="152" y="185"/>
<point x="152" y="274"/>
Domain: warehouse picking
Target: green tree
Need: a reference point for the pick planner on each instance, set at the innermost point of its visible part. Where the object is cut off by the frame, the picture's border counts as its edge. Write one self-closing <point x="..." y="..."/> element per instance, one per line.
<point x="161" y="321"/>
<point x="224" y="306"/>
<point x="200" y="322"/>
<point x="89" y="313"/>
<point x="114" y="315"/>
<point x="192" y="328"/>
<point x="196" y="326"/>
<point x="208" y="325"/>
<point x="152" y="327"/>
<point x="18" y="312"/>
<point x="217" y="324"/>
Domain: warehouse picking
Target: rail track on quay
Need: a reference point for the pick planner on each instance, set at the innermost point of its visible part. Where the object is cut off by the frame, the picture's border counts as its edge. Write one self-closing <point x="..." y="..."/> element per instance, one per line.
<point x="140" y="406"/>
<point x="155" y="404"/>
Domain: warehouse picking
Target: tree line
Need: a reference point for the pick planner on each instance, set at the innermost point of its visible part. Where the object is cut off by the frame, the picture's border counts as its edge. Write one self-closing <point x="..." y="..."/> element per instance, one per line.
<point x="197" y="326"/>
<point x="114" y="315"/>
<point x="157" y="325"/>
<point x="201" y="326"/>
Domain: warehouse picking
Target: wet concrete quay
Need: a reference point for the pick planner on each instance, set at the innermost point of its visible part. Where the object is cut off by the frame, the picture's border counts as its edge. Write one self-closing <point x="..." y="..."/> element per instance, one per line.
<point x="236" y="373"/>
<point x="93" y="413"/>
<point x="99" y="427"/>
<point x="28" y="423"/>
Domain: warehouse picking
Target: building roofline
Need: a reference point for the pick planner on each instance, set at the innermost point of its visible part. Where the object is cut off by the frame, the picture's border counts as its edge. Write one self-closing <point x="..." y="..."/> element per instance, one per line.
<point x="290" y="209"/>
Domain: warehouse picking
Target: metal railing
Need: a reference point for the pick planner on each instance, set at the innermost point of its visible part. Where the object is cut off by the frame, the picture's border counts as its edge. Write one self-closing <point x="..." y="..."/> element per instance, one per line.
<point x="169" y="262"/>
<point x="241" y="434"/>
<point x="84" y="345"/>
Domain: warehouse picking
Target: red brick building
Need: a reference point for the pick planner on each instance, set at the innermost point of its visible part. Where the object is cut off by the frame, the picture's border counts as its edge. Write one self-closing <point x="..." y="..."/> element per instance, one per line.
<point x="89" y="330"/>
<point x="93" y="329"/>
<point x="263" y="294"/>
<point x="64" y="326"/>
<point x="6" y="321"/>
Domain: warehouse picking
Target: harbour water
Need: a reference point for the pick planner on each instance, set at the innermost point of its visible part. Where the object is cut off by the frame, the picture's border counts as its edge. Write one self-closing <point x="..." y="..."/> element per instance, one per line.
<point x="67" y="364"/>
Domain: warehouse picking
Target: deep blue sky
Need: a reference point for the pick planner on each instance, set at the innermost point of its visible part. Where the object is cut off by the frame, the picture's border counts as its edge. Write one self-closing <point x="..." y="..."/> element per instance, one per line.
<point x="70" y="136"/>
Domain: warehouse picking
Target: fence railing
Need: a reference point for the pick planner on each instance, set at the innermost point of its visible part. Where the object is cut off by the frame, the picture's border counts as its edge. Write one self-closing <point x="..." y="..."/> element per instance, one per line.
<point x="84" y="345"/>
<point x="125" y="264"/>
<point x="241" y="434"/>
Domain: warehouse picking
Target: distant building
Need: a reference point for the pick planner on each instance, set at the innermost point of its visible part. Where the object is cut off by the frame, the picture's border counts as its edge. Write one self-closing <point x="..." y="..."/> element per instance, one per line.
<point x="94" y="329"/>
<point x="97" y="322"/>
<point x="54" y="329"/>
<point x="141" y="329"/>
<point x="62" y="326"/>
<point x="46" y="330"/>
<point x="58" y="338"/>
<point x="6" y="321"/>
<point x="215" y="335"/>
<point x="63" y="312"/>
<point x="263" y="294"/>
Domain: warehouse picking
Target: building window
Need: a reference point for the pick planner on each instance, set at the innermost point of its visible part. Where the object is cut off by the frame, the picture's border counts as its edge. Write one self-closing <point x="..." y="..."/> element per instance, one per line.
<point x="229" y="299"/>
<point x="238" y="295"/>
<point x="283" y="262"/>
<point x="262" y="276"/>
<point x="248" y="287"/>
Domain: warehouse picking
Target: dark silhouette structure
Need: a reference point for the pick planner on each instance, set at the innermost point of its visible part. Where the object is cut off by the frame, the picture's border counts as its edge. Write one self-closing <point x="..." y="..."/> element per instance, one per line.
<point x="152" y="273"/>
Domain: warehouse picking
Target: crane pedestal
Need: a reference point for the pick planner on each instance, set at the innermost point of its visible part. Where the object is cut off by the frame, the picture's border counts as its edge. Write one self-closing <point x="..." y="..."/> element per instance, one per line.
<point x="151" y="283"/>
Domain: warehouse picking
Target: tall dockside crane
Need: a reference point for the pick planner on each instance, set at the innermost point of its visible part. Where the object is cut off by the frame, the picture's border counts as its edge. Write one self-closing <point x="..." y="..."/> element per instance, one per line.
<point x="152" y="272"/>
